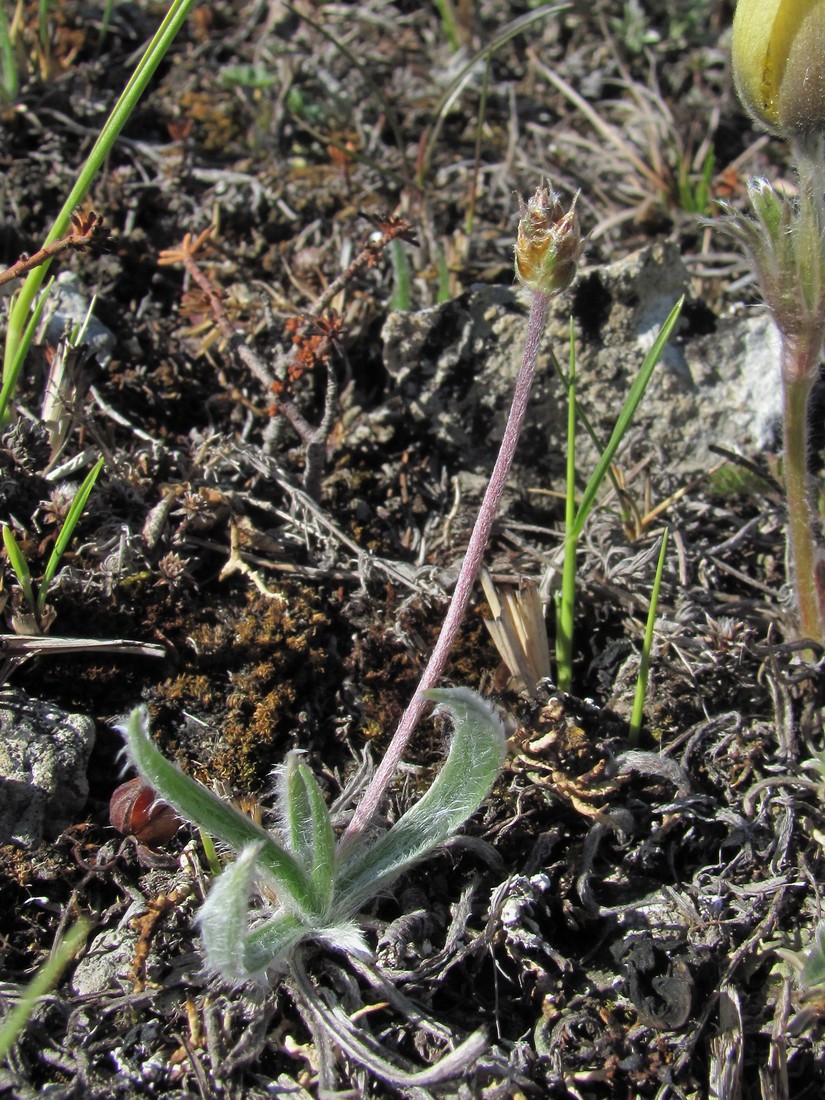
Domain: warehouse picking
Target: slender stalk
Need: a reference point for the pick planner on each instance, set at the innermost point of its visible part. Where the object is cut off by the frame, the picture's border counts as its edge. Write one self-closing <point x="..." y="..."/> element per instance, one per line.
<point x="566" y="597"/>
<point x="644" y="665"/>
<point x="801" y="352"/>
<point x="470" y="567"/>
<point x="123" y="109"/>
<point x="797" y="381"/>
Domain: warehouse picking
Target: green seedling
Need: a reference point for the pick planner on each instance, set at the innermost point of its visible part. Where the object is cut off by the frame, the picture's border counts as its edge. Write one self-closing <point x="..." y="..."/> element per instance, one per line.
<point x="19" y="564"/>
<point x="695" y="193"/>
<point x="19" y="316"/>
<point x="644" y="667"/>
<point x="576" y="516"/>
<point x="319" y="886"/>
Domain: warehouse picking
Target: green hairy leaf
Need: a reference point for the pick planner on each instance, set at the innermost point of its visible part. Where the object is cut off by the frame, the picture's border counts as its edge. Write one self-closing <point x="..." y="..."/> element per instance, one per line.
<point x="309" y="829"/>
<point x="195" y="803"/>
<point x="317" y="893"/>
<point x="476" y="755"/>
<point x="224" y="917"/>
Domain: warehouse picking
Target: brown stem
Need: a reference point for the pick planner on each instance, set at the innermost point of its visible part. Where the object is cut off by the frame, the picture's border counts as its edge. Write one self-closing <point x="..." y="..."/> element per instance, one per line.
<point x="27" y="262"/>
<point x="244" y="352"/>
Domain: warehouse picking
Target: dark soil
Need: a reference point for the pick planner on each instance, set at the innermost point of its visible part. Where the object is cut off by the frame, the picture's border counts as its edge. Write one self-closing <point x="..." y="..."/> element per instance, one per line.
<point x="617" y="934"/>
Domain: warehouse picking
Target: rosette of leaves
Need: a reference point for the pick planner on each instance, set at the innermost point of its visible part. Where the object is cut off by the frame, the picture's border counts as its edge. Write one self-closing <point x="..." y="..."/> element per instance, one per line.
<point x="296" y="884"/>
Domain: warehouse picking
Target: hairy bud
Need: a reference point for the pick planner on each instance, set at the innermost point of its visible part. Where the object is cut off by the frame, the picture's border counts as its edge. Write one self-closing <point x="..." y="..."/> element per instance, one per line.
<point x="549" y="243"/>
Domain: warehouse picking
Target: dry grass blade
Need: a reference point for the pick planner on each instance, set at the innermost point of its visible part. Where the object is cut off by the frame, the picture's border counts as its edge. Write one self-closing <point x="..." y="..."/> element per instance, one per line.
<point x="518" y="631"/>
<point x="366" y="1051"/>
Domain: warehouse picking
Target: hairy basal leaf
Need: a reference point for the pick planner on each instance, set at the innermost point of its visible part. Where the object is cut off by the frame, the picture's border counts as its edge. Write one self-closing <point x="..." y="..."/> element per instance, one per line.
<point x="476" y="754"/>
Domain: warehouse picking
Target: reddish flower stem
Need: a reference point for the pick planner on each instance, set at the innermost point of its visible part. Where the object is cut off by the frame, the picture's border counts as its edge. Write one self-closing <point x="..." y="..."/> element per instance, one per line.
<point x="369" y="802"/>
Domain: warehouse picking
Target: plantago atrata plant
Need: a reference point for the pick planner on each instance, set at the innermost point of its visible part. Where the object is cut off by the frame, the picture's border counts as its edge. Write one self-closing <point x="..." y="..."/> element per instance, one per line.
<point x="318" y="887"/>
<point x="321" y="884"/>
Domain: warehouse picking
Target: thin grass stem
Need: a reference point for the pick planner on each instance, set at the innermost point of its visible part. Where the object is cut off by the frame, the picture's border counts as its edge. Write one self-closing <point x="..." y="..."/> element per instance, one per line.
<point x="566" y="598"/>
<point x="802" y="551"/>
<point x="66" y="532"/>
<point x="644" y="665"/>
<point x="43" y="982"/>
<point x="122" y="111"/>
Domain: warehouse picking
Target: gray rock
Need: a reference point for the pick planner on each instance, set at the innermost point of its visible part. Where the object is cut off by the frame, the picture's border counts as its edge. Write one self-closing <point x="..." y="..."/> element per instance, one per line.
<point x="44" y="755"/>
<point x="717" y="382"/>
<point x="66" y="307"/>
<point x="108" y="963"/>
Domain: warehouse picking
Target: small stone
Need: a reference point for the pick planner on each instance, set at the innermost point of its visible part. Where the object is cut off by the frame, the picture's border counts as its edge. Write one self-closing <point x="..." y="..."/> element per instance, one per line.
<point x="44" y="756"/>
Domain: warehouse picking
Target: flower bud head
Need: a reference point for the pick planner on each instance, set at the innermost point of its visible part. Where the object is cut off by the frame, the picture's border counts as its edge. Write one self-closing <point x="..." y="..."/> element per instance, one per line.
<point x="549" y="244"/>
<point x="778" y="60"/>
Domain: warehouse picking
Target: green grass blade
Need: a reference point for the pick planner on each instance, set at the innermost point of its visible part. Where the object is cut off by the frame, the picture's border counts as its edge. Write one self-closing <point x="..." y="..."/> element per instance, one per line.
<point x="122" y="111"/>
<point x="66" y="532"/>
<point x="19" y="565"/>
<point x="566" y="599"/>
<point x="211" y="853"/>
<point x="644" y="666"/>
<point x="584" y="420"/>
<point x="443" y="292"/>
<point x="105" y="20"/>
<point x="43" y="26"/>
<point x="43" y="982"/>
<point x="10" y="380"/>
<point x="515" y="27"/>
<point x="472" y="190"/>
<point x="402" y="294"/>
<point x="9" y="72"/>
<point x="629" y="408"/>
<point x="448" y="24"/>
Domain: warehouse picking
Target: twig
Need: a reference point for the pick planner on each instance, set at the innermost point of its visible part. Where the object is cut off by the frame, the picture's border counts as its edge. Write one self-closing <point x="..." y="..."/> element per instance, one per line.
<point x="87" y="231"/>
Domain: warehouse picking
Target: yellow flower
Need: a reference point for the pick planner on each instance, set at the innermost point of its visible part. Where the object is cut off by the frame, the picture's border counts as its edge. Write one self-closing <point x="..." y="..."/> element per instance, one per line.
<point x="779" y="63"/>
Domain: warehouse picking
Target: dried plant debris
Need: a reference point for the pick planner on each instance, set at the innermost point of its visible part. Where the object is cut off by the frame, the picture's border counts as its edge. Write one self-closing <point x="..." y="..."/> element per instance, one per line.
<point x="266" y="557"/>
